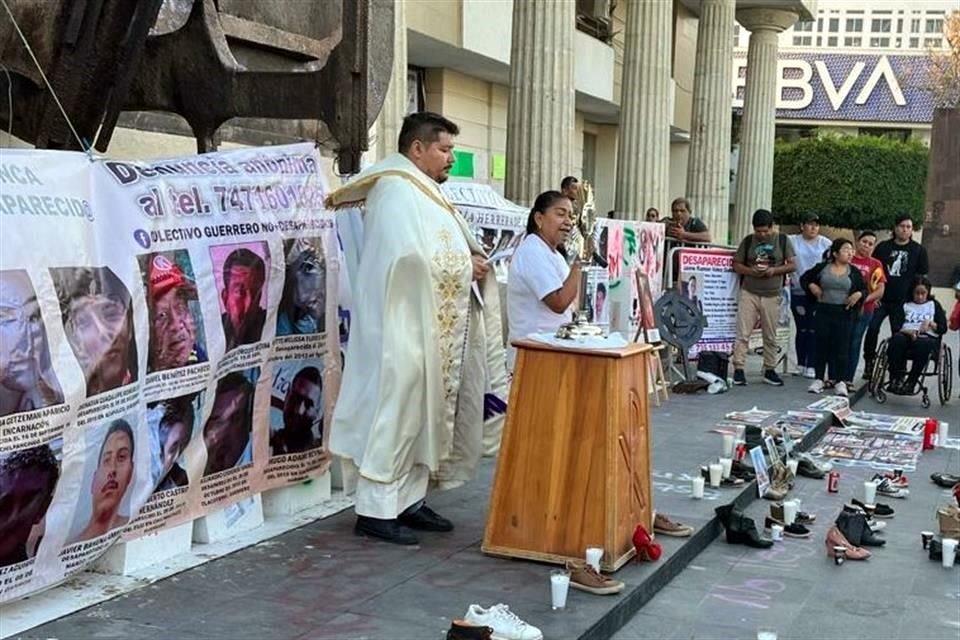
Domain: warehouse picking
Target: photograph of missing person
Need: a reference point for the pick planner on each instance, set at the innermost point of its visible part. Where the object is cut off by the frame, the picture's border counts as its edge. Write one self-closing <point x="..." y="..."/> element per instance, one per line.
<point x="176" y="322"/>
<point x="27" y="379"/>
<point x="226" y="434"/>
<point x="28" y="479"/>
<point x="172" y="425"/>
<point x="304" y="298"/>
<point x="98" y="319"/>
<point x="488" y="239"/>
<point x="600" y="303"/>
<point x="109" y="476"/>
<point x="296" y="407"/>
<point x="647" y="321"/>
<point x="240" y="271"/>
<point x="692" y="290"/>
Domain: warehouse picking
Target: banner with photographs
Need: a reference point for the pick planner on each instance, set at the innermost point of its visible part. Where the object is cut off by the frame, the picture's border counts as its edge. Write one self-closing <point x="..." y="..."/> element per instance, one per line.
<point x="499" y="224"/>
<point x="165" y="348"/>
<point x="634" y="252"/>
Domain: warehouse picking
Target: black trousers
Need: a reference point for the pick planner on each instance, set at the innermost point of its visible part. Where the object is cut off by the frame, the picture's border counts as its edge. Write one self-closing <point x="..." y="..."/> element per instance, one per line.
<point x="881" y="313"/>
<point x="918" y="350"/>
<point x="834" y="328"/>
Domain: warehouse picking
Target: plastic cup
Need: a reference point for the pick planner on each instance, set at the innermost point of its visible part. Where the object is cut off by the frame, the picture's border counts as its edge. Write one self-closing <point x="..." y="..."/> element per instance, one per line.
<point x="839" y="554"/>
<point x="942" y="433"/>
<point x="790" y="509"/>
<point x="949" y="552"/>
<point x="697" y="488"/>
<point x="716" y="470"/>
<point x="727" y="464"/>
<point x="766" y="634"/>
<point x="792" y="465"/>
<point x="559" y="586"/>
<point x="593" y="556"/>
<point x="728" y="445"/>
<point x="776" y="533"/>
<point x="925" y="538"/>
<point x="869" y="491"/>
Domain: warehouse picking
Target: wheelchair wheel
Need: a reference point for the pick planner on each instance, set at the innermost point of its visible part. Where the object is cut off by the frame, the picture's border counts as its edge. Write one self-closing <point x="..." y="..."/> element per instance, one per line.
<point x="945" y="381"/>
<point x="925" y="401"/>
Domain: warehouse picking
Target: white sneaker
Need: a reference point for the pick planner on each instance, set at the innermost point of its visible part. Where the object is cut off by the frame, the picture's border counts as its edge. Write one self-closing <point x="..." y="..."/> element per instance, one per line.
<point x="877" y="525"/>
<point x="810" y="372"/>
<point x="816" y="386"/>
<point x="506" y="624"/>
<point x="840" y="389"/>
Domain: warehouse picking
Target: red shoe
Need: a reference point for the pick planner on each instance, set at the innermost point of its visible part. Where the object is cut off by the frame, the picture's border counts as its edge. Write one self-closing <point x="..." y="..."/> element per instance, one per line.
<point x="647" y="550"/>
<point x="956" y="493"/>
<point x="898" y="481"/>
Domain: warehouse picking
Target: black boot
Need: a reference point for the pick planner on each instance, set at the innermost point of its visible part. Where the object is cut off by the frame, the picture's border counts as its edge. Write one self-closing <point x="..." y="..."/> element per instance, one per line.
<point x="387" y="530"/>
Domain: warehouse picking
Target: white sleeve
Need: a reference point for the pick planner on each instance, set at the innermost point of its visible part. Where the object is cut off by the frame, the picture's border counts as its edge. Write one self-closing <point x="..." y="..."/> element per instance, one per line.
<point x="537" y="272"/>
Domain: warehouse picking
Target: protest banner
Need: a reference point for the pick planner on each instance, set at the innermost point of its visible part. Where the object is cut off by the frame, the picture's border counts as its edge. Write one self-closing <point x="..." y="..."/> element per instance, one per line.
<point x="629" y="247"/>
<point x="167" y="336"/>
<point x="707" y="278"/>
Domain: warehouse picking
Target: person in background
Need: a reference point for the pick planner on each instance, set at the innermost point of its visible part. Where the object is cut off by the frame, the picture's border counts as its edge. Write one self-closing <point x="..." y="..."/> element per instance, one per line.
<point x="809" y="247"/>
<point x="954" y="324"/>
<point x="874" y="277"/>
<point x="541" y="286"/>
<point x="569" y="187"/>
<point x="684" y="227"/>
<point x="838" y="289"/>
<point x="652" y="215"/>
<point x="903" y="260"/>
<point x="917" y="326"/>
<point x="763" y="259"/>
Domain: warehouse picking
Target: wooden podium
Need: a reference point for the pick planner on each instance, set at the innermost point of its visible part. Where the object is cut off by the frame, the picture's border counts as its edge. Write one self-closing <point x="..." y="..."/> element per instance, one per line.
<point x="574" y="464"/>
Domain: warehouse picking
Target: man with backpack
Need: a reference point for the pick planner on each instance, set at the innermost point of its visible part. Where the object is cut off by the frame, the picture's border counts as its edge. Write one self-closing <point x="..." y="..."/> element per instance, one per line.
<point x="763" y="260"/>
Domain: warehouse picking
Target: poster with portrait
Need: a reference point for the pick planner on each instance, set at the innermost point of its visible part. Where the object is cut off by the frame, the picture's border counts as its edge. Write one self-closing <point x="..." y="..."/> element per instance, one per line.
<point x="631" y="248"/>
<point x="707" y="278"/>
<point x="139" y="350"/>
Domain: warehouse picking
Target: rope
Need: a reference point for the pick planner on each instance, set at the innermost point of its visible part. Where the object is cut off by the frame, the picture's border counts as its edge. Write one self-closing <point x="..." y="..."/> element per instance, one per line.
<point x="36" y="62"/>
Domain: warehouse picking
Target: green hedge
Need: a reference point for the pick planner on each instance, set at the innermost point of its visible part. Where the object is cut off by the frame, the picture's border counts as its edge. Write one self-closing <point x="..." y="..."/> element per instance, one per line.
<point x="854" y="182"/>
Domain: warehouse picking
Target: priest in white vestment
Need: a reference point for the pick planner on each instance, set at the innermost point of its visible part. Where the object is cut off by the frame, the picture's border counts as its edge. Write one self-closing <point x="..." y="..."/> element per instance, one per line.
<point x="410" y="408"/>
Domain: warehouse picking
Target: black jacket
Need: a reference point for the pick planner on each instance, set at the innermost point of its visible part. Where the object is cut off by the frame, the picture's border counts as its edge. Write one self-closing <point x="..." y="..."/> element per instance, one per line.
<point x="939" y="318"/>
<point x="856" y="282"/>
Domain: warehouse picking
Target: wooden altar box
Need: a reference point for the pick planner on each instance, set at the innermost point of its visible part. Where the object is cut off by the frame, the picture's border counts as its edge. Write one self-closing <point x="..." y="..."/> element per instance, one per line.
<point x="574" y="464"/>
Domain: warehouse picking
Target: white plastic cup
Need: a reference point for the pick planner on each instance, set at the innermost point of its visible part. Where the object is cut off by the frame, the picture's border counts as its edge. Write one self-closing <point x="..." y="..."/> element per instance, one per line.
<point x="776" y="533"/>
<point x="698" y="488"/>
<point x="559" y="586"/>
<point x="792" y="465"/>
<point x="869" y="491"/>
<point x="741" y="433"/>
<point x="716" y="470"/>
<point x="942" y="433"/>
<point x="728" y="445"/>
<point x="727" y="464"/>
<point x="949" y="552"/>
<point x="593" y="556"/>
<point x="790" y="509"/>
<point x="766" y="634"/>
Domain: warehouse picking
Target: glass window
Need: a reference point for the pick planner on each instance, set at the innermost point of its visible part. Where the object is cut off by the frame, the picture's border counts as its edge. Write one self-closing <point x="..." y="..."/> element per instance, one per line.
<point x="820" y="24"/>
<point x="802" y="41"/>
<point x="880" y="43"/>
<point x="914" y="43"/>
<point x="832" y="41"/>
<point x="853" y="42"/>
<point x="834" y="26"/>
<point x="819" y="41"/>
<point x="855" y="25"/>
<point x="915" y="25"/>
<point x="934" y="25"/>
<point x="803" y="26"/>
<point x="880" y="25"/>
<point x="932" y="43"/>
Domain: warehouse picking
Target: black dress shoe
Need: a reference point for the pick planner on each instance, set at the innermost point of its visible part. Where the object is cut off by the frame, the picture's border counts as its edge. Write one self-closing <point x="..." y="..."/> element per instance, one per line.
<point x="425" y="519"/>
<point x="945" y="480"/>
<point x="387" y="530"/>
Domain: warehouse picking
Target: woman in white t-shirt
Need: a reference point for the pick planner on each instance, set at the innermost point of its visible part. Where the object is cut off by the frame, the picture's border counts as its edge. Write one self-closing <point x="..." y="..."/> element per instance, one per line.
<point x="541" y="286"/>
<point x="917" y="328"/>
<point x="808" y="250"/>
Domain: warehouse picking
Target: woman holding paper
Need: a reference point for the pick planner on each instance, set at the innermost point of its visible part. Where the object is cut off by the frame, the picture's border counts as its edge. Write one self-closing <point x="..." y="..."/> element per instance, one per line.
<point x="541" y="286"/>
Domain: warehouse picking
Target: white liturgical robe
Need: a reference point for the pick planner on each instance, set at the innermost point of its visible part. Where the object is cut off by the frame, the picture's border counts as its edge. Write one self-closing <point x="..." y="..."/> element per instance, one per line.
<point x="411" y="398"/>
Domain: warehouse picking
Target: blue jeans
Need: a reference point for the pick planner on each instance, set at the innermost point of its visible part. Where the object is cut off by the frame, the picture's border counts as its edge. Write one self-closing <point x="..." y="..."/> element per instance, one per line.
<point x="859" y="328"/>
<point x="804" y="317"/>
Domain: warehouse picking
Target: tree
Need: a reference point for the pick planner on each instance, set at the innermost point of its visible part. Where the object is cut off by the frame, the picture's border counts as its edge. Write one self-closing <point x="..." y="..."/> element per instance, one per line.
<point x="851" y="182"/>
<point x="943" y="77"/>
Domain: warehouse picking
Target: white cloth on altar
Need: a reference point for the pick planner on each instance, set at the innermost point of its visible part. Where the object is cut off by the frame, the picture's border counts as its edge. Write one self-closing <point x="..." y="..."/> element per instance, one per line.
<point x="412" y="389"/>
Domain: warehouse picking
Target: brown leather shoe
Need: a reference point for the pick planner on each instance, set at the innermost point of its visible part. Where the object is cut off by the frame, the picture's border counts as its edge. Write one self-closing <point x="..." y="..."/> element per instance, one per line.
<point x="586" y="578"/>
<point x="463" y="630"/>
<point x="664" y="525"/>
<point x="836" y="539"/>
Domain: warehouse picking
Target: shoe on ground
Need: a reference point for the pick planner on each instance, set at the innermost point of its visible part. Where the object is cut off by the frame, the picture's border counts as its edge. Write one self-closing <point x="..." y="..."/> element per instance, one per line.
<point x="739" y="378"/>
<point x="840" y="389"/>
<point x="770" y="377"/>
<point x="732" y="481"/>
<point x="886" y="488"/>
<point x="776" y="512"/>
<point x="816" y="386"/>
<point x="425" y="519"/>
<point x="776" y="493"/>
<point x="506" y="624"/>
<point x="878" y="510"/>
<point x="945" y="480"/>
<point x="836" y="539"/>
<point x="586" y="578"/>
<point x="794" y="529"/>
<point x="665" y="526"/>
<point x="387" y="530"/>
<point x="810" y="373"/>
<point x="808" y="469"/>
<point x="463" y="630"/>
<point x="899" y="481"/>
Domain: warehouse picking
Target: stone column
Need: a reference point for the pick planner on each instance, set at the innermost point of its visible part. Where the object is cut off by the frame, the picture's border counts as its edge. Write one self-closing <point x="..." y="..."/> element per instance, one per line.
<point x="755" y="166"/>
<point x="708" y="169"/>
<point x="643" y="153"/>
<point x="387" y="127"/>
<point x="540" y="116"/>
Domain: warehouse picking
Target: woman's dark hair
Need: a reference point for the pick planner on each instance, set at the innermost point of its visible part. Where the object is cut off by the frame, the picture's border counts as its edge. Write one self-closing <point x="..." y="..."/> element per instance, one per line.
<point x="864" y="234"/>
<point x="837" y="246"/>
<point x="925" y="281"/>
<point x="901" y="217"/>
<point x="543" y="202"/>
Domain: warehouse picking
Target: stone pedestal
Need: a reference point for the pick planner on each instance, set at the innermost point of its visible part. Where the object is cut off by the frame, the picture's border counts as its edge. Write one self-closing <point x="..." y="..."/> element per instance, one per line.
<point x="708" y="169"/>
<point x="540" y="116"/>
<point x="241" y="516"/>
<point x="755" y="165"/>
<point x="387" y="127"/>
<point x="125" y="558"/>
<point x="286" y="501"/>
<point x="643" y="153"/>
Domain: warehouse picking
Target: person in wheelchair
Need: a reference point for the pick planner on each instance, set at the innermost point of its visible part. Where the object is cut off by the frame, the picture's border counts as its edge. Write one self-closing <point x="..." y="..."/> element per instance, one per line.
<point x="917" y="329"/>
